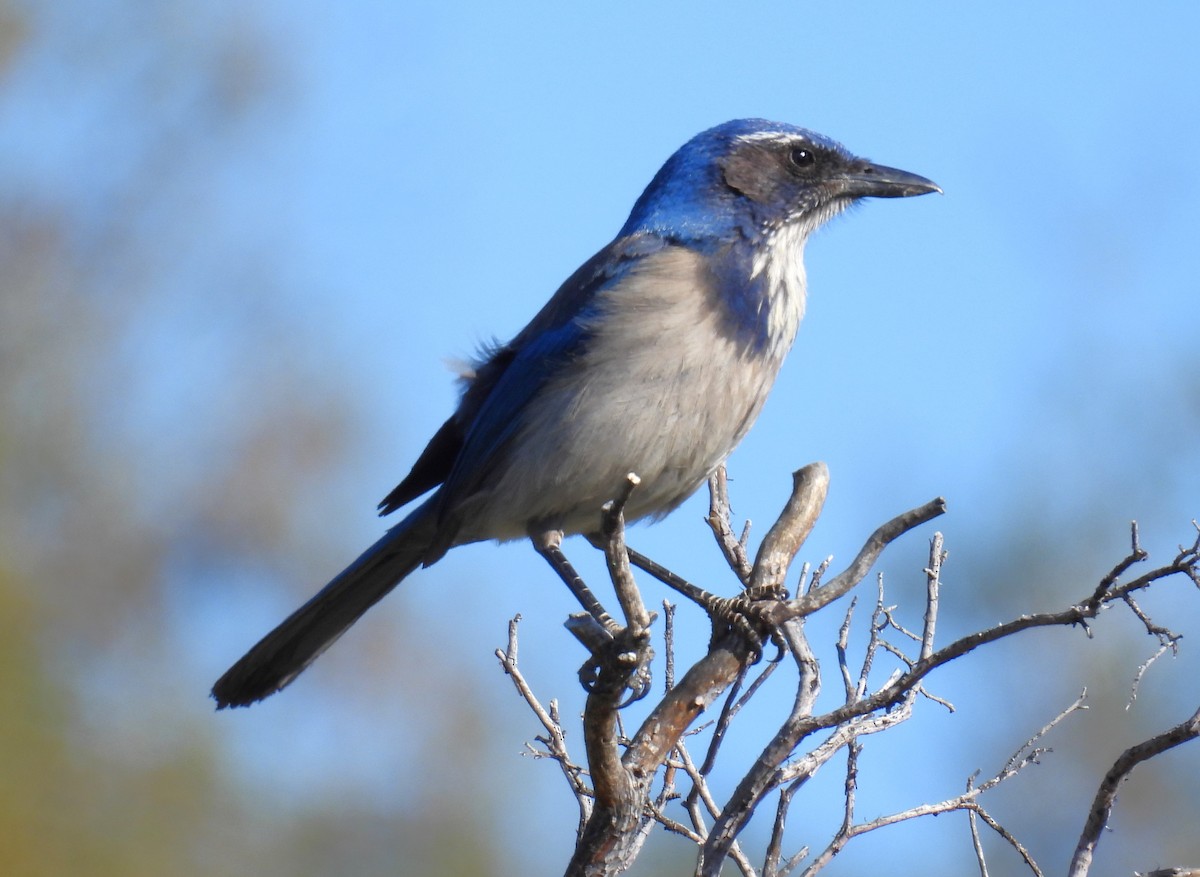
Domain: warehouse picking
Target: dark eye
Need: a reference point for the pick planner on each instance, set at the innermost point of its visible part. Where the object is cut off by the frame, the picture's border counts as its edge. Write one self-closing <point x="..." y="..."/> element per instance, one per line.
<point x="802" y="157"/>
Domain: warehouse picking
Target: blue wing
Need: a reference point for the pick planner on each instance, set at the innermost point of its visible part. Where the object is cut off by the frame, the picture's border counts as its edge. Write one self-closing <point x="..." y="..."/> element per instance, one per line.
<point x="508" y="377"/>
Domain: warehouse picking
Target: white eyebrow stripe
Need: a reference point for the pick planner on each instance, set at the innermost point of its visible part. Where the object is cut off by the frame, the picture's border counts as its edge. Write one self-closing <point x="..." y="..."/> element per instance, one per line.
<point x="771" y="136"/>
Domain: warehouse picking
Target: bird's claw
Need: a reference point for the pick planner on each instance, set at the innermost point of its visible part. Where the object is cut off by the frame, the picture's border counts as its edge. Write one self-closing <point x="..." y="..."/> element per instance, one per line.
<point x="589" y="673"/>
<point x="638" y="686"/>
<point x="620" y="662"/>
<point x="747" y="615"/>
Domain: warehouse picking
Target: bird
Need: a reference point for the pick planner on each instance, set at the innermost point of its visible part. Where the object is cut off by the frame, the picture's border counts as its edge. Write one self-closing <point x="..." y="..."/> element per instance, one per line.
<point x="654" y="357"/>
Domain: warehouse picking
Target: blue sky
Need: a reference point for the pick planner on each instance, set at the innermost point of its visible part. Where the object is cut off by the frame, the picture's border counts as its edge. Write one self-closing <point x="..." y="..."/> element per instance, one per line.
<point x="1025" y="345"/>
<point x="448" y="167"/>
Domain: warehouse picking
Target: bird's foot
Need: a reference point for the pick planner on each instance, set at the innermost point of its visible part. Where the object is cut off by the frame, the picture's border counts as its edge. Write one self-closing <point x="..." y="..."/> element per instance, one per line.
<point x="749" y="615"/>
<point x="621" y="663"/>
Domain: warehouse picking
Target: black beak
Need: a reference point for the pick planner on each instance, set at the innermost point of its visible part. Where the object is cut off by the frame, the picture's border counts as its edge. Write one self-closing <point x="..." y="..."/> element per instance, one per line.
<point x="866" y="180"/>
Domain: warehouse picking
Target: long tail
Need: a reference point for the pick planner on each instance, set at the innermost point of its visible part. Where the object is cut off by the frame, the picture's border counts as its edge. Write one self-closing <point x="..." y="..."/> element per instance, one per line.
<point x="285" y="652"/>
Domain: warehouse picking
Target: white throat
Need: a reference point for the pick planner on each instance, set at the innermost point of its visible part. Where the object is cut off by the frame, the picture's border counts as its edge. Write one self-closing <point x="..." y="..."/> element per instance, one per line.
<point x="782" y="260"/>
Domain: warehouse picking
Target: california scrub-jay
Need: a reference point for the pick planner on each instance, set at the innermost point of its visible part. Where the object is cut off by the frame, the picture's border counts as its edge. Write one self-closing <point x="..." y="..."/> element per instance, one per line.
<point x="654" y="357"/>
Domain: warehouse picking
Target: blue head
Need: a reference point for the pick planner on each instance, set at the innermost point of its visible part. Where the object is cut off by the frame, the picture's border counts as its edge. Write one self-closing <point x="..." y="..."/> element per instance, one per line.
<point x="748" y="177"/>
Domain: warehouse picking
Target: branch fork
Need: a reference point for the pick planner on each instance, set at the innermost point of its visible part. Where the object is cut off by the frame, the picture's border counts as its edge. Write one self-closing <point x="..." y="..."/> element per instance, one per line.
<point x="620" y="808"/>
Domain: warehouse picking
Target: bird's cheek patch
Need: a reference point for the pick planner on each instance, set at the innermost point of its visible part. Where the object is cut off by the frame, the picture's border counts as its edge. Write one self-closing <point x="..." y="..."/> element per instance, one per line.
<point x="745" y="171"/>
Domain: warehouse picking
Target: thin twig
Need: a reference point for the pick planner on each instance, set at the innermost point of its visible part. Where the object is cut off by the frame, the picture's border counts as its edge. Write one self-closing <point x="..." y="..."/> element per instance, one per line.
<point x="719" y="519"/>
<point x="702" y="794"/>
<point x="1007" y="835"/>
<point x="669" y="643"/>
<point x="976" y="842"/>
<point x="555" y="740"/>
<point x="853" y="574"/>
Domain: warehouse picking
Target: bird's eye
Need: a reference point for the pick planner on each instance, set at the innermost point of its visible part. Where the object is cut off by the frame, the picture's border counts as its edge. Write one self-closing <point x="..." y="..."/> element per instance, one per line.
<point x="802" y="157"/>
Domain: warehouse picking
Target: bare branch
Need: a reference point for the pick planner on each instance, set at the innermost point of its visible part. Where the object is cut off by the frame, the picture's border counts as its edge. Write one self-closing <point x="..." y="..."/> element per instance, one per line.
<point x="966" y="801"/>
<point x="809" y="488"/>
<point x="976" y="841"/>
<point x="1008" y="837"/>
<point x="701" y="794"/>
<point x="1136" y="555"/>
<point x="1028" y="751"/>
<point x="1140" y="673"/>
<point x="761" y="776"/>
<point x="637" y="618"/>
<point x="814" y="581"/>
<point x="728" y="711"/>
<point x="767" y="772"/>
<point x="1106" y="795"/>
<point x="844" y="581"/>
<point x="720" y="519"/>
<point x="933" y="575"/>
<point x="772" y="867"/>
<point x="555" y="740"/>
<point x="617" y="817"/>
<point x="843" y="645"/>
<point x="669" y="643"/>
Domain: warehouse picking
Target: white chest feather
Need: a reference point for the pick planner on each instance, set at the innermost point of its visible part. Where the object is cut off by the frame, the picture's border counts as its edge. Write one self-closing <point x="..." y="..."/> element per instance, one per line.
<point x="781" y="260"/>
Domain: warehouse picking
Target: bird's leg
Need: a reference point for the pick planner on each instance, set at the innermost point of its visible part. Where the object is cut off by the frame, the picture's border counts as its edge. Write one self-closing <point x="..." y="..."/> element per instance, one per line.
<point x="607" y="641"/>
<point x="548" y="543"/>
<point x="683" y="586"/>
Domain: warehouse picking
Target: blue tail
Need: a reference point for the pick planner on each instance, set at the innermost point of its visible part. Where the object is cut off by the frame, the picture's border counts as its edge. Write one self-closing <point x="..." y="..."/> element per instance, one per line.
<point x="285" y="652"/>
